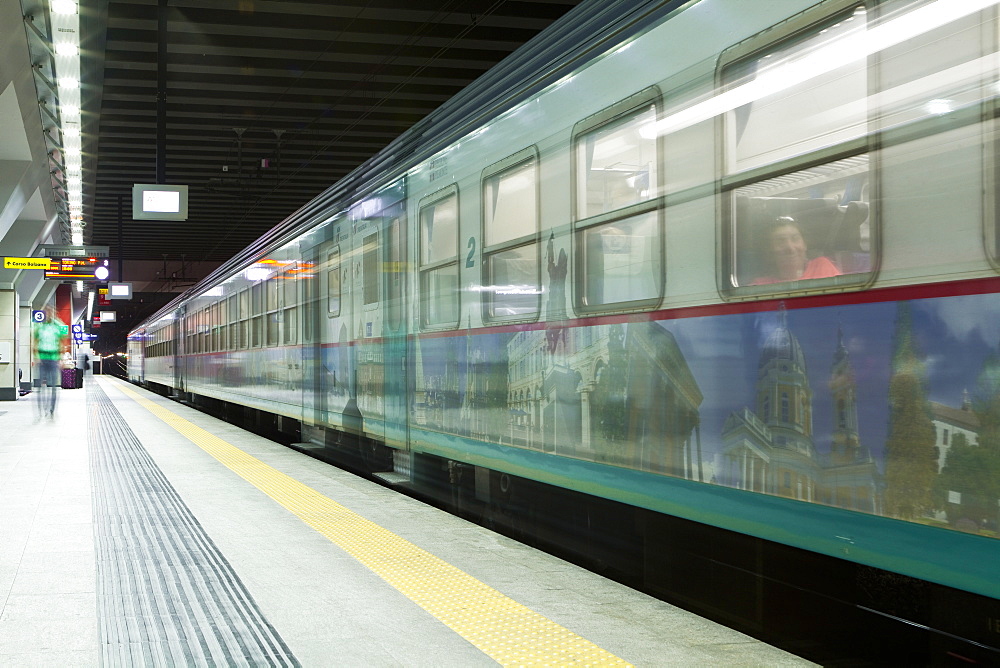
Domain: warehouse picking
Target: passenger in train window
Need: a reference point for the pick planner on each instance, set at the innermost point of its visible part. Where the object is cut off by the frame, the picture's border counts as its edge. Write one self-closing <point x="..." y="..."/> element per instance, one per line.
<point x="789" y="255"/>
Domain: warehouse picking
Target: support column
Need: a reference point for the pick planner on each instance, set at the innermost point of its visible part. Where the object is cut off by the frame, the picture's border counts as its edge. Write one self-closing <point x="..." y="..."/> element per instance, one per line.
<point x="8" y="342"/>
<point x="25" y="371"/>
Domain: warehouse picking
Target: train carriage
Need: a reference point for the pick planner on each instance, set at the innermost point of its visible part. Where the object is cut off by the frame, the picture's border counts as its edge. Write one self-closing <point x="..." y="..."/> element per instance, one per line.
<point x="701" y="293"/>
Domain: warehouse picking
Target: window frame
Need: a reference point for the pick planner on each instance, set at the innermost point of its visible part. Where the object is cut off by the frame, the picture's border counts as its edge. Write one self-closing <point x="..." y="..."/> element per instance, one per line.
<point x="258" y="303"/>
<point x="371" y="261"/>
<point x="510" y="163"/>
<point x="396" y="277"/>
<point x="423" y="270"/>
<point x="290" y="303"/>
<point x="335" y="250"/>
<point x="273" y="304"/>
<point x="802" y="25"/>
<point x="631" y="106"/>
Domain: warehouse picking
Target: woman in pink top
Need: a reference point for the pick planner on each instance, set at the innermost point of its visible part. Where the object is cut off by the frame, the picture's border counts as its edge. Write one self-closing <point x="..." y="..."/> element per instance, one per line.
<point x="788" y="255"/>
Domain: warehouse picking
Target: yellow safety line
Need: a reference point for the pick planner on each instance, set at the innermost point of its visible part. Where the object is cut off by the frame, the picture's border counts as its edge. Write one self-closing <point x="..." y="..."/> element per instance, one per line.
<point x="507" y="631"/>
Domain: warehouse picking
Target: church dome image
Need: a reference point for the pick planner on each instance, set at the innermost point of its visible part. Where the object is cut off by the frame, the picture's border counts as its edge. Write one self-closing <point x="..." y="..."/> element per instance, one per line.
<point x="781" y="345"/>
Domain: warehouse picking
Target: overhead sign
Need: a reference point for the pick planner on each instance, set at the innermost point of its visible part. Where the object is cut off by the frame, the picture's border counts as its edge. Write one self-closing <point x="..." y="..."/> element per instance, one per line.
<point x="108" y="316"/>
<point x="60" y="250"/>
<point x="38" y="316"/>
<point x="26" y="263"/>
<point x="74" y="269"/>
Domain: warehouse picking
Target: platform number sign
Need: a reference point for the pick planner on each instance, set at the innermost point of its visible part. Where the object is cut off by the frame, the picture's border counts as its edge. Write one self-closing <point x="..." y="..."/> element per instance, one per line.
<point x="38" y="316"/>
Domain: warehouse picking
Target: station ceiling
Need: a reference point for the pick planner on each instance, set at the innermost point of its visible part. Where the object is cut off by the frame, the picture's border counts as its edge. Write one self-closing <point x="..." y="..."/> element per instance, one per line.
<point x="268" y="102"/>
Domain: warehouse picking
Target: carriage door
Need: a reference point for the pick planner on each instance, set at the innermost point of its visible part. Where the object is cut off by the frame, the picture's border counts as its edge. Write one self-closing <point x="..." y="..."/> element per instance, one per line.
<point x="183" y="327"/>
<point x="313" y="274"/>
<point x="369" y="370"/>
<point x="394" y="333"/>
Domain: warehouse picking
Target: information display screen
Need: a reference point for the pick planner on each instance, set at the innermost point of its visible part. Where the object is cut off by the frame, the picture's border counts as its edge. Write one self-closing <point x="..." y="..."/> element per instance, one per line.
<point x="159" y="202"/>
<point x="73" y="268"/>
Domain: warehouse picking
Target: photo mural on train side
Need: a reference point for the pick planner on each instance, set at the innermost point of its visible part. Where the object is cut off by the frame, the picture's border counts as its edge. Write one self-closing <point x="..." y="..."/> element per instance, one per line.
<point x="888" y="408"/>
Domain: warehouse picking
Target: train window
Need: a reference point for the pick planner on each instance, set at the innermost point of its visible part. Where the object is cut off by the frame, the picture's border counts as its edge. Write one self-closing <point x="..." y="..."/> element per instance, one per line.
<point x="243" y="335"/>
<point x="273" y="304"/>
<point x="273" y="292"/>
<point x="307" y="277"/>
<point x="290" y="325"/>
<point x="511" y="256"/>
<point x="333" y="282"/>
<point x="617" y="219"/>
<point x="439" y="299"/>
<point x="233" y="318"/>
<point x="257" y="331"/>
<point x="215" y="327"/>
<point x="257" y="321"/>
<point x="196" y="332"/>
<point x="257" y="298"/>
<point x="273" y="328"/>
<point x="205" y="329"/>
<point x="289" y="284"/>
<point x="797" y="177"/>
<point x="370" y="269"/>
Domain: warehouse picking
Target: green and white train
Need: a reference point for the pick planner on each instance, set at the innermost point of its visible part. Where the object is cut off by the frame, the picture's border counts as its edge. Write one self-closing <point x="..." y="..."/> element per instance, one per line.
<point x="702" y="294"/>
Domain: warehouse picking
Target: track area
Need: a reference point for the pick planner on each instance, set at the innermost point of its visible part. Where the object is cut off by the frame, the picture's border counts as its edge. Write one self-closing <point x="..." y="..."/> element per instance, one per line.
<point x="218" y="546"/>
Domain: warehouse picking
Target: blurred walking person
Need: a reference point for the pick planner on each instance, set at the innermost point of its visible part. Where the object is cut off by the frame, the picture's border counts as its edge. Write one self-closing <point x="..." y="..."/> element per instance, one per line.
<point x="49" y="339"/>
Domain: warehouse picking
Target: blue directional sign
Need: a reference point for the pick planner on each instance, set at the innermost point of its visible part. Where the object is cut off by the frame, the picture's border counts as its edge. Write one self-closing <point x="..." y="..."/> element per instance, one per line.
<point x="38" y="316"/>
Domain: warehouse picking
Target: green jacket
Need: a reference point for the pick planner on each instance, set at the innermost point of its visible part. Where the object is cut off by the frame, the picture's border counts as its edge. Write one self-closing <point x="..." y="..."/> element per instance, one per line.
<point x="49" y="337"/>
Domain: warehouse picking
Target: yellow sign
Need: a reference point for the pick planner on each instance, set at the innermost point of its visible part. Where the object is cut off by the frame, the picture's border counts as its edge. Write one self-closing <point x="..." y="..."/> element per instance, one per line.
<point x="26" y="263"/>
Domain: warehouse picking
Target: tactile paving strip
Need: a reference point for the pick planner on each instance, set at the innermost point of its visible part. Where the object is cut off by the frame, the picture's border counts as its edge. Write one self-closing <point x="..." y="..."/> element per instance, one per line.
<point x="508" y="632"/>
<point x="166" y="594"/>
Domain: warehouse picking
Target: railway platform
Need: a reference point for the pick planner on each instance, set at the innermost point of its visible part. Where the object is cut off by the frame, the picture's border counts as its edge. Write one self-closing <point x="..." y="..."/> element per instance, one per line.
<point x="138" y="531"/>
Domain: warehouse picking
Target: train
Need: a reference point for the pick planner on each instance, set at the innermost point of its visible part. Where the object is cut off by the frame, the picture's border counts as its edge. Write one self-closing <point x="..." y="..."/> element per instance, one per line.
<point x="700" y="294"/>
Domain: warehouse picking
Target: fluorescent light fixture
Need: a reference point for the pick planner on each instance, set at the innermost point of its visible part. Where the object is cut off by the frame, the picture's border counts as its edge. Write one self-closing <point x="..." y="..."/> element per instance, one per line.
<point x="69" y="83"/>
<point x="71" y="131"/>
<point x="938" y="107"/>
<point x="108" y="316"/>
<point x="77" y="238"/>
<point x="70" y="110"/>
<point x="73" y="151"/>
<point x="255" y="274"/>
<point x="67" y="49"/>
<point x="64" y="6"/>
